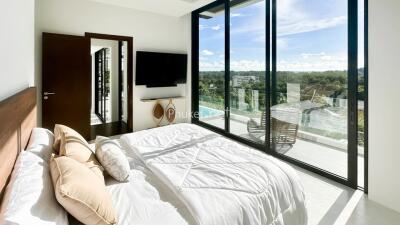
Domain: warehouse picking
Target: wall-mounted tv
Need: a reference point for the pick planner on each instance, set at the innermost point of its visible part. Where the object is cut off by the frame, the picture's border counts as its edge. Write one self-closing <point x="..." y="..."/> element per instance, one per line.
<point x="155" y="69"/>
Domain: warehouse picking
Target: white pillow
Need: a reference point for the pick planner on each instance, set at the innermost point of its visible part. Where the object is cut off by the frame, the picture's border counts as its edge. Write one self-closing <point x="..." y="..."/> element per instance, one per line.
<point x="41" y="143"/>
<point x="111" y="157"/>
<point x="29" y="198"/>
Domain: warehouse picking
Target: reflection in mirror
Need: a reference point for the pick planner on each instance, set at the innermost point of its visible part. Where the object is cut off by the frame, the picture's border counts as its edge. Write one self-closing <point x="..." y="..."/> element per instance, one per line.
<point x="109" y="87"/>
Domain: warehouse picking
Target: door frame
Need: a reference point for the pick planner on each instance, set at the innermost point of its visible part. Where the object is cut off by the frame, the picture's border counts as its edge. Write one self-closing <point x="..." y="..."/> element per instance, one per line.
<point x="129" y="40"/>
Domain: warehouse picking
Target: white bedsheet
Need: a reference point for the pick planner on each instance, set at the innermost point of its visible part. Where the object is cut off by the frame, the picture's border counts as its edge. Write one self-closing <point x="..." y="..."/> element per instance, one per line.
<point x="220" y="181"/>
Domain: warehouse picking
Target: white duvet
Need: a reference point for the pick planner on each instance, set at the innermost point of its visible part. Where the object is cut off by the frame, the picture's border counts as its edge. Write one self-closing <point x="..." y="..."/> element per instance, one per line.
<point x="145" y="200"/>
<point x="221" y="182"/>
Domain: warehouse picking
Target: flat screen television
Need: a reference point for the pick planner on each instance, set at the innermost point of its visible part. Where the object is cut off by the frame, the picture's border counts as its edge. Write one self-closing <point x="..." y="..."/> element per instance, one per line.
<point x="155" y="69"/>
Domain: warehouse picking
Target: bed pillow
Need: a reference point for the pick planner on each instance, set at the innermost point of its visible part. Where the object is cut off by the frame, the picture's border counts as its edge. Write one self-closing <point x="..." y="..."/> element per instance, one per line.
<point x="58" y="130"/>
<point x="81" y="193"/>
<point x="75" y="148"/>
<point x="111" y="157"/>
<point x="29" y="198"/>
<point x="41" y="142"/>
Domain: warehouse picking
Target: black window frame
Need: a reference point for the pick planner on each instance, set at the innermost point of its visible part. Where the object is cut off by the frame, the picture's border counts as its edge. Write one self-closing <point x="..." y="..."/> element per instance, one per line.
<point x="100" y="97"/>
<point x="270" y="85"/>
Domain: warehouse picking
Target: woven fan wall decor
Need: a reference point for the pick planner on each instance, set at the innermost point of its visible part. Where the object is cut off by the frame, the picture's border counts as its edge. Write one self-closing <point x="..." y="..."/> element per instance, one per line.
<point x="170" y="112"/>
<point x="158" y="113"/>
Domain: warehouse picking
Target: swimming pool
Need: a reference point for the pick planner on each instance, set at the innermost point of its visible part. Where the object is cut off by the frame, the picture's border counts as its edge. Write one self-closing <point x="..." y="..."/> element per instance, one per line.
<point x="205" y="112"/>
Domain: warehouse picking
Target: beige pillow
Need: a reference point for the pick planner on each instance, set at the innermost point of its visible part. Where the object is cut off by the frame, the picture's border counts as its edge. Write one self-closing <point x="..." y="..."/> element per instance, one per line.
<point x="74" y="147"/>
<point x="81" y="193"/>
<point x="58" y="130"/>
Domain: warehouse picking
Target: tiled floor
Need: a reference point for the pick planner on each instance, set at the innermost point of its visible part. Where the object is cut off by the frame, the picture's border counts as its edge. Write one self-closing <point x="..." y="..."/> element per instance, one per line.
<point x="330" y="203"/>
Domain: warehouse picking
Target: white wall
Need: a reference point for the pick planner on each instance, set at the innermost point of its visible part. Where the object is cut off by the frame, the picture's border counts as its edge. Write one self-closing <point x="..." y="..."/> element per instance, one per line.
<point x="151" y="32"/>
<point x="16" y="46"/>
<point x="384" y="103"/>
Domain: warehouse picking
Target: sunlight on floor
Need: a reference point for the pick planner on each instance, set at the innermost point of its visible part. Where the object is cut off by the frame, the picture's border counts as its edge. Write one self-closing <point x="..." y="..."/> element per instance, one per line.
<point x="330" y="203"/>
<point x="349" y="208"/>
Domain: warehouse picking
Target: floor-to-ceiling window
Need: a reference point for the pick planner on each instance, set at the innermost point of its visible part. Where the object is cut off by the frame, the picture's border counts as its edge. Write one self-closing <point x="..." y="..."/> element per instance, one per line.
<point x="247" y="69"/>
<point x="290" y="75"/>
<point x="211" y="88"/>
<point x="310" y="92"/>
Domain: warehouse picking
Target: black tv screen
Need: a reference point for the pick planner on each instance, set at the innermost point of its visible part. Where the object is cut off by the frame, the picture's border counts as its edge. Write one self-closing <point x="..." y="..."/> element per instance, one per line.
<point x="155" y="69"/>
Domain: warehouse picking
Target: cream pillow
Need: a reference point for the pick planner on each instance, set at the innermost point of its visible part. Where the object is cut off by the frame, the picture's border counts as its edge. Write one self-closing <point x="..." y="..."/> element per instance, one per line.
<point x="58" y="130"/>
<point x="74" y="147"/>
<point x="81" y="193"/>
<point x="111" y="157"/>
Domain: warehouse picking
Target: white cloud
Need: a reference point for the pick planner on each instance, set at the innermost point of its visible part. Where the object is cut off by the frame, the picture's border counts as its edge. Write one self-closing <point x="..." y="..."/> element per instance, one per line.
<point x="233" y="15"/>
<point x="308" y="55"/>
<point x="313" y="62"/>
<point x="211" y="66"/>
<point x="294" y="18"/>
<point x="206" y="52"/>
<point x="247" y="65"/>
<point x="303" y="62"/>
<point x="309" y="25"/>
<point x="217" y="27"/>
<point x="236" y="65"/>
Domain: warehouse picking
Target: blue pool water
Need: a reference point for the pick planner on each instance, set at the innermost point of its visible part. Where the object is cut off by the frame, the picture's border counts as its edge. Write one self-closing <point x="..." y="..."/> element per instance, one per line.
<point x="205" y="112"/>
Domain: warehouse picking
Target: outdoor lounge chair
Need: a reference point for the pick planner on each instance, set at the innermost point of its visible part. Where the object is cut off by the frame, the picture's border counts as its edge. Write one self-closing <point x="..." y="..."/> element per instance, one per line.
<point x="282" y="132"/>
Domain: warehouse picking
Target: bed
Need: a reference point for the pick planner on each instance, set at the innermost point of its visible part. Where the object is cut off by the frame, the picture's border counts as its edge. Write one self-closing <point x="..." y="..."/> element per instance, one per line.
<point x="218" y="180"/>
<point x="180" y="174"/>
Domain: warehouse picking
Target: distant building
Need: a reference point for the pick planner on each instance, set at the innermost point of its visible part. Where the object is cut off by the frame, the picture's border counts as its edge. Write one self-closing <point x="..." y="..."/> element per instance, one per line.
<point x="239" y="80"/>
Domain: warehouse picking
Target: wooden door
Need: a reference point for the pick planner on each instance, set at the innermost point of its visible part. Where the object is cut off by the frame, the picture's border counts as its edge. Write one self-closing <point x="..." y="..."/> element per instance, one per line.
<point x="66" y="82"/>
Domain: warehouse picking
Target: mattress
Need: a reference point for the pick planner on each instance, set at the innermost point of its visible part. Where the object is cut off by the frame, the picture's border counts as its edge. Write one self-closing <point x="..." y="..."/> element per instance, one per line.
<point x="219" y="181"/>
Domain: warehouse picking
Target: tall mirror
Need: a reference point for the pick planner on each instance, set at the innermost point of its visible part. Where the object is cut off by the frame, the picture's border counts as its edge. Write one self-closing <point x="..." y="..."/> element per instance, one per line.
<point x="109" y="101"/>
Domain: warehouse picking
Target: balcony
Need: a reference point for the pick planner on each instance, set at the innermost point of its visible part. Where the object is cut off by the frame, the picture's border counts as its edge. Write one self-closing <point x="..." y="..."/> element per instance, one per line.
<point x="325" y="148"/>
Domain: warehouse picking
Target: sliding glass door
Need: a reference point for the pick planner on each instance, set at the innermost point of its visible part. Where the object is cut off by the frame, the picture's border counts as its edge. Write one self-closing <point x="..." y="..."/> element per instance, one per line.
<point x="309" y="113"/>
<point x="211" y="87"/>
<point x="247" y="70"/>
<point x="286" y="77"/>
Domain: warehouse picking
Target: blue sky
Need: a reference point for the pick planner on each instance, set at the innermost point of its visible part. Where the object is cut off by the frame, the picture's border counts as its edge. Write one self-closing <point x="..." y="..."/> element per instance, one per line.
<point x="312" y="36"/>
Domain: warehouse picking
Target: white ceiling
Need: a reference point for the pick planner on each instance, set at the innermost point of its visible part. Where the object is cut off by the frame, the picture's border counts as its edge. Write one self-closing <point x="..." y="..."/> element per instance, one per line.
<point x="175" y="8"/>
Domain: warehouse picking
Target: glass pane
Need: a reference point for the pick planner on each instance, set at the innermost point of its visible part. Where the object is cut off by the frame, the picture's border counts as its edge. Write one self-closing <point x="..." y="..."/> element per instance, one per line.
<point x="361" y="93"/>
<point x="309" y="116"/>
<point x="247" y="70"/>
<point x="212" y="66"/>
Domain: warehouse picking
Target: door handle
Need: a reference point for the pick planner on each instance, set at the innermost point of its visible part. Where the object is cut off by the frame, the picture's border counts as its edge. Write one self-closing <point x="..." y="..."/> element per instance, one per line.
<point x="49" y="93"/>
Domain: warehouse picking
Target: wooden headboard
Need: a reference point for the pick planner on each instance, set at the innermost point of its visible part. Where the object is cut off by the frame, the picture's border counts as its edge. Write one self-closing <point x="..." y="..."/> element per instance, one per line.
<point x="17" y="118"/>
